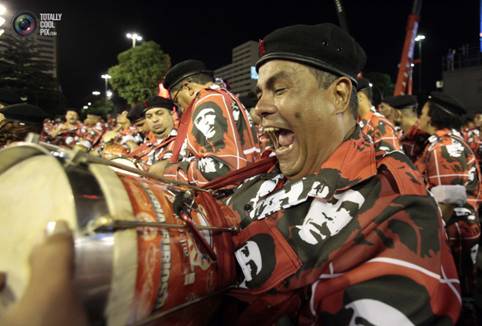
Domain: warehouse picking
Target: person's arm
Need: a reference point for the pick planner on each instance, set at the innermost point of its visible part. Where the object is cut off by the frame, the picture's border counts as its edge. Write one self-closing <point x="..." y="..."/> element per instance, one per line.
<point x="50" y="297"/>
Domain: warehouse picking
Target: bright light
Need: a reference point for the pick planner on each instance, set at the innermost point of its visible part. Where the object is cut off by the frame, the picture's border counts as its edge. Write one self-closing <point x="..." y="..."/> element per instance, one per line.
<point x="419" y="37"/>
<point x="108" y="93"/>
<point x="412" y="65"/>
<point x="3" y="9"/>
<point x="2" y="31"/>
<point x="85" y="107"/>
<point x="135" y="36"/>
<point x="2" y="20"/>
<point x="96" y="93"/>
<point x="89" y="103"/>
<point x="106" y="76"/>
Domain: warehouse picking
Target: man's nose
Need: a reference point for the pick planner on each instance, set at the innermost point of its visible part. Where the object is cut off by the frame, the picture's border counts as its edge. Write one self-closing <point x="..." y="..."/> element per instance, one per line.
<point x="264" y="107"/>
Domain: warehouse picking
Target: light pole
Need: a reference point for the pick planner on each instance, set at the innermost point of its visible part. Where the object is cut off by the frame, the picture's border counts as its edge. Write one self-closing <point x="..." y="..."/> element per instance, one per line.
<point x="419" y="38"/>
<point x="134" y="37"/>
<point x="106" y="78"/>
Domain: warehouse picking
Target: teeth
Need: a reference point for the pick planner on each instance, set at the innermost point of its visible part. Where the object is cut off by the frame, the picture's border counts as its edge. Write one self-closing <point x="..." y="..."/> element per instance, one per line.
<point x="271" y="132"/>
<point x="271" y="129"/>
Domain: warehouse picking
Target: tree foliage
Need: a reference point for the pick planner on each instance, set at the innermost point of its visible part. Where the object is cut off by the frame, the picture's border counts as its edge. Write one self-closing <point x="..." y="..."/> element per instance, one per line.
<point x="139" y="71"/>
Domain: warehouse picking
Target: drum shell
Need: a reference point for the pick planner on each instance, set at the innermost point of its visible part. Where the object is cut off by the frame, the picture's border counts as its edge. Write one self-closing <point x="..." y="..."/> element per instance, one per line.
<point x="121" y="276"/>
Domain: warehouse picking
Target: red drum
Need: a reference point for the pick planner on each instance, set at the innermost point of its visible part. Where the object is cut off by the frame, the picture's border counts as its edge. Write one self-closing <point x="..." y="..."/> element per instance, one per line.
<point x="137" y="261"/>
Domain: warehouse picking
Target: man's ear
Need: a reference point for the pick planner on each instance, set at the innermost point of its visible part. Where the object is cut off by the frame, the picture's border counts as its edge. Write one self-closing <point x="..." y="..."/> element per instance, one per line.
<point x="342" y="89"/>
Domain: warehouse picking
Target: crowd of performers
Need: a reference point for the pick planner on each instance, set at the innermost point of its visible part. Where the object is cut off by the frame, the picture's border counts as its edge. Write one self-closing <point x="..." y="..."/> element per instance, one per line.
<point x="202" y="132"/>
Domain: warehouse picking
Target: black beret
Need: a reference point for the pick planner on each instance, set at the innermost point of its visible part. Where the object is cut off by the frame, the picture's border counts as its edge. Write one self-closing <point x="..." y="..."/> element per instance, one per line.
<point x="401" y="102"/>
<point x="362" y="84"/>
<point x="157" y="102"/>
<point x="448" y="103"/>
<point x="183" y="70"/>
<point x="325" y="46"/>
<point x="136" y="113"/>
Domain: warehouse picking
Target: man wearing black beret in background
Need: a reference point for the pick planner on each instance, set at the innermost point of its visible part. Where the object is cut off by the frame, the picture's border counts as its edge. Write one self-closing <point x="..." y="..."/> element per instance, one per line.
<point x="157" y="145"/>
<point x="413" y="139"/>
<point x="215" y="133"/>
<point x="452" y="174"/>
<point x="352" y="232"/>
<point x="373" y="123"/>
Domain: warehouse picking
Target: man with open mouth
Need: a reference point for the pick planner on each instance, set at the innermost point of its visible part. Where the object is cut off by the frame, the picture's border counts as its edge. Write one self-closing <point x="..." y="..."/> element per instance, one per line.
<point x="341" y="217"/>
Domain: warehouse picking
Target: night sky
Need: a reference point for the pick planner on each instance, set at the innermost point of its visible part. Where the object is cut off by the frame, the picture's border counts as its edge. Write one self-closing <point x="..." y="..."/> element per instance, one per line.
<point x="92" y="33"/>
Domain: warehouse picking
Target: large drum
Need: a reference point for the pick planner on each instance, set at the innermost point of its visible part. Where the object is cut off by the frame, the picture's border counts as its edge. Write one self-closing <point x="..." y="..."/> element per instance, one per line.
<point x="137" y="261"/>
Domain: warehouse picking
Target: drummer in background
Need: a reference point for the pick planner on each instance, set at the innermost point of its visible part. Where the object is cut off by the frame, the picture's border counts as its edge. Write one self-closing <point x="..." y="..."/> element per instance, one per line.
<point x="157" y="146"/>
<point x="215" y="134"/>
<point x="413" y="139"/>
<point x="372" y="123"/>
<point x="65" y="134"/>
<point x="452" y="174"/>
<point x="390" y="113"/>
<point x="471" y="135"/>
<point x="90" y="134"/>
<point x="123" y="138"/>
<point x="136" y="116"/>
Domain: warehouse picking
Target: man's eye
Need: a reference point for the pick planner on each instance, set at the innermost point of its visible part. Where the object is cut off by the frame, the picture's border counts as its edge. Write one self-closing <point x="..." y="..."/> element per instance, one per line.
<point x="279" y="91"/>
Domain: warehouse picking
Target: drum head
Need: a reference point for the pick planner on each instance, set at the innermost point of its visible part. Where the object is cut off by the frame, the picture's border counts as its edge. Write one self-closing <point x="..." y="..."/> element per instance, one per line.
<point x="33" y="190"/>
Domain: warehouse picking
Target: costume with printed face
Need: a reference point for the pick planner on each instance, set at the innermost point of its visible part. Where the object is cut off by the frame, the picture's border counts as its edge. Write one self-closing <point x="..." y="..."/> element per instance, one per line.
<point x="154" y="149"/>
<point x="213" y="142"/>
<point x="358" y="217"/>
<point x="355" y="221"/>
<point x="452" y="173"/>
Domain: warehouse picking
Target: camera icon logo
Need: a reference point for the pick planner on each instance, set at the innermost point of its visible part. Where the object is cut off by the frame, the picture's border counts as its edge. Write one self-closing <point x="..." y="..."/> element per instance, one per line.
<point x="24" y="24"/>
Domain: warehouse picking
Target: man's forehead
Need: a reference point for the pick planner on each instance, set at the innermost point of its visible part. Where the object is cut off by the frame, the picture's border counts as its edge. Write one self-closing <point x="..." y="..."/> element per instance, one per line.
<point x="279" y="69"/>
<point x="154" y="110"/>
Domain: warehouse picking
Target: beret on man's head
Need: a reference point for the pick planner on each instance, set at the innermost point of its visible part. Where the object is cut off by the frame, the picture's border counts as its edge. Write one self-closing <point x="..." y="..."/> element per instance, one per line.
<point x="183" y="70"/>
<point x="326" y="47"/>
<point x="401" y="102"/>
<point x="447" y="103"/>
<point x="136" y="113"/>
<point x="157" y="102"/>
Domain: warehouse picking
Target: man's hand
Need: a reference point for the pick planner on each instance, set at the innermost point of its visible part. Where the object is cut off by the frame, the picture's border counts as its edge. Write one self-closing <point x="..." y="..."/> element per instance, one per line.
<point x="50" y="296"/>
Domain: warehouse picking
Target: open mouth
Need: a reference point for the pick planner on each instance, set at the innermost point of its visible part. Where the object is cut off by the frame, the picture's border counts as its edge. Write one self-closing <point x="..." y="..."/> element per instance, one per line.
<point x="282" y="139"/>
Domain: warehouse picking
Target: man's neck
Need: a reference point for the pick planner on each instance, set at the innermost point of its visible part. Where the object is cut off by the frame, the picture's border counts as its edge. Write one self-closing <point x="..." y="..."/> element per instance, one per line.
<point x="163" y="135"/>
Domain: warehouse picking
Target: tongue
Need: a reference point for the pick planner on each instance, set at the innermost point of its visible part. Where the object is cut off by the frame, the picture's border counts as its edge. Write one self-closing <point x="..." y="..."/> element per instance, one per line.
<point x="286" y="138"/>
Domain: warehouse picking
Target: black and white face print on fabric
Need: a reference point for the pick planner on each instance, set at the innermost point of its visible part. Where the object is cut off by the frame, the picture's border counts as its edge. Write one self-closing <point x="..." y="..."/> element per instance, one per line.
<point x="386" y="300"/>
<point x="257" y="260"/>
<point x="212" y="168"/>
<point x="326" y="219"/>
<point x="209" y="126"/>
